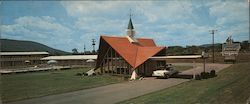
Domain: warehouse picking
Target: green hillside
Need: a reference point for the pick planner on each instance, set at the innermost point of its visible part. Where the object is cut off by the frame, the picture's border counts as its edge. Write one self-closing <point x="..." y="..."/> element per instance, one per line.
<point x="190" y="50"/>
<point x="8" y="45"/>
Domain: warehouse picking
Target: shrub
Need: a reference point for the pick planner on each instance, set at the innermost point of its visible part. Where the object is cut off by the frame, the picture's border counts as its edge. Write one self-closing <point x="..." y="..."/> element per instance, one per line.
<point x="203" y="75"/>
<point x="84" y="74"/>
<point x="198" y="77"/>
<point x="99" y="73"/>
<point x="78" y="74"/>
<point x="212" y="73"/>
<point x="206" y="75"/>
<point x="94" y="74"/>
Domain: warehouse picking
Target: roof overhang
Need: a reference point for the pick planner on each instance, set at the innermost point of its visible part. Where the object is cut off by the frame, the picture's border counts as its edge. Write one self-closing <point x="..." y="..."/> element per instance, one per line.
<point x="176" y="57"/>
<point x="23" y="53"/>
<point x="71" y="57"/>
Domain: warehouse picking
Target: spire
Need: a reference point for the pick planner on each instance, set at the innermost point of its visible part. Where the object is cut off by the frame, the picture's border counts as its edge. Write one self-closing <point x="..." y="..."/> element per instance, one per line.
<point x="130" y="24"/>
<point x="131" y="31"/>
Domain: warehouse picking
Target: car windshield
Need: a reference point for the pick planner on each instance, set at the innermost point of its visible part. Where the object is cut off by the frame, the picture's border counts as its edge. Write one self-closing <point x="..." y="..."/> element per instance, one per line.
<point x="159" y="69"/>
<point x="169" y="68"/>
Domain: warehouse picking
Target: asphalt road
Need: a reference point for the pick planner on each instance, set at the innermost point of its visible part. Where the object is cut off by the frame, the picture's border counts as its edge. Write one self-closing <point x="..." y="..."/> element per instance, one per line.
<point x="116" y="92"/>
<point x="198" y="67"/>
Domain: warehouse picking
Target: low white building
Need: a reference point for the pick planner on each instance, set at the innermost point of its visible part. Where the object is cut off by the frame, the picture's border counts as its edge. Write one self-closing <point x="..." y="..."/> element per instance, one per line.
<point x="73" y="60"/>
<point x="21" y="59"/>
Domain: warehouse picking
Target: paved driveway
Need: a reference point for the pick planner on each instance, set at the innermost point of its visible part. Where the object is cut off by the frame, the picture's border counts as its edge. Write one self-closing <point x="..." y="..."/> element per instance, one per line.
<point x="106" y="94"/>
<point x="116" y="92"/>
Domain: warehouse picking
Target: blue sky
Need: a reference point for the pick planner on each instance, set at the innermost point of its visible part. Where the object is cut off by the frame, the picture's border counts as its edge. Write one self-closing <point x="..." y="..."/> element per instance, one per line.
<point x="71" y="24"/>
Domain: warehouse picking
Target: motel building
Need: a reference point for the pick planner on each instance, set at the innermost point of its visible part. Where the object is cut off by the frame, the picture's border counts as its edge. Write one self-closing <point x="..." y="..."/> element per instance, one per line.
<point x="72" y="60"/>
<point x="128" y="56"/>
<point x="21" y="59"/>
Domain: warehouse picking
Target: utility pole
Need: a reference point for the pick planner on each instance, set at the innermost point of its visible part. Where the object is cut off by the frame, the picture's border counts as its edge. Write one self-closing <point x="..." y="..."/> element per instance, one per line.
<point x="93" y="44"/>
<point x="84" y="49"/>
<point x="212" y="32"/>
<point x="249" y="29"/>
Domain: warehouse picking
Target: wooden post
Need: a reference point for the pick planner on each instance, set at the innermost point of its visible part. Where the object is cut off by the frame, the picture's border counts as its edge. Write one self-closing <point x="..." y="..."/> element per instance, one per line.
<point x="108" y="64"/>
<point x="117" y="65"/>
<point x="129" y="69"/>
<point x="122" y="64"/>
<point x="116" y="59"/>
<point x="204" y="65"/>
<point x="194" y="69"/>
<point x="112" y="64"/>
<point x="139" y="70"/>
<point x="120" y="67"/>
<point x="105" y="59"/>
<point x="124" y="68"/>
<point x="102" y="68"/>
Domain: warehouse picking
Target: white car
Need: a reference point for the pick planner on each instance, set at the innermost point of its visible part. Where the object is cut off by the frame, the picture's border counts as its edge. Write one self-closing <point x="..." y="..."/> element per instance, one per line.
<point x="165" y="72"/>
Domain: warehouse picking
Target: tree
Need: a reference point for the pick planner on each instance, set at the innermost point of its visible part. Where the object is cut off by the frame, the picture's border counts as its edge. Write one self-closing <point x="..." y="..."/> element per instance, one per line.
<point x="74" y="51"/>
<point x="244" y="46"/>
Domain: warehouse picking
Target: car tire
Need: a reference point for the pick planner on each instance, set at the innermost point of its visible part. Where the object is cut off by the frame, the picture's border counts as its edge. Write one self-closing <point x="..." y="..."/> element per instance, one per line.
<point x="166" y="76"/>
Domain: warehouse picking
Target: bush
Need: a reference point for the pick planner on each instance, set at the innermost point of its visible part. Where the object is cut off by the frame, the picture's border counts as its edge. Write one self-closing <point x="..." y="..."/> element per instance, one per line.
<point x="84" y="74"/>
<point x="207" y="75"/>
<point x="203" y="75"/>
<point x="198" y="77"/>
<point x="78" y="74"/>
<point x="212" y="73"/>
<point x="94" y="74"/>
<point x="99" y="73"/>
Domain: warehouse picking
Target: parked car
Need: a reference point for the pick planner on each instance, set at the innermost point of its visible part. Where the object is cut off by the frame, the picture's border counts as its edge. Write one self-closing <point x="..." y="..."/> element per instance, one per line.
<point x="165" y="72"/>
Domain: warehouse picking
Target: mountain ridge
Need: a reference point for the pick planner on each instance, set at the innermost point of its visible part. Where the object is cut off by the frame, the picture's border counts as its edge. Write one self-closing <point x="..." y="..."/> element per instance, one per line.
<point x="11" y="45"/>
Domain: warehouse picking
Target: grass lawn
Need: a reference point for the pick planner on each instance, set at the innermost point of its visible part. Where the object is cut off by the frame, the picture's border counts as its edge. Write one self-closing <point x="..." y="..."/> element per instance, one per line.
<point x="29" y="85"/>
<point x="231" y="86"/>
<point x="182" y="68"/>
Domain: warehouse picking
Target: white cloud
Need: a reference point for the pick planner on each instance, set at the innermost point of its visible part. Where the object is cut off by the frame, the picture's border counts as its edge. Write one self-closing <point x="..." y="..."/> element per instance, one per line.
<point x="162" y="20"/>
<point x="85" y="8"/>
<point x="153" y="10"/>
<point x="232" y="18"/>
<point x="111" y="17"/>
<point x="44" y="23"/>
<point x="171" y="22"/>
<point x="97" y="25"/>
<point x="182" y="34"/>
<point x="167" y="10"/>
<point x="42" y="29"/>
<point x="230" y="11"/>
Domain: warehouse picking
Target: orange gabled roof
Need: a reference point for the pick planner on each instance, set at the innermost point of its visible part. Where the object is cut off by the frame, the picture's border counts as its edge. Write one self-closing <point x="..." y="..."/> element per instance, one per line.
<point x="134" y="53"/>
<point x="143" y="53"/>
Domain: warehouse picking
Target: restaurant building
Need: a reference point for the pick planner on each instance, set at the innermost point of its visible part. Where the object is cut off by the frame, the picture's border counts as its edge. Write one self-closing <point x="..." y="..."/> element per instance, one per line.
<point x="124" y="55"/>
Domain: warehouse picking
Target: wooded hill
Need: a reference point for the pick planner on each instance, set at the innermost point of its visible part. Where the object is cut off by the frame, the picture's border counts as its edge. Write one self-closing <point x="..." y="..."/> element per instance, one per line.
<point x="9" y="45"/>
<point x="188" y="50"/>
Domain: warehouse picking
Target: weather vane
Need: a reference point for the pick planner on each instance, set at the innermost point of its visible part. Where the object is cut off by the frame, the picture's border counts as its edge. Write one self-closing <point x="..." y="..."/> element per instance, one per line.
<point x="130" y="13"/>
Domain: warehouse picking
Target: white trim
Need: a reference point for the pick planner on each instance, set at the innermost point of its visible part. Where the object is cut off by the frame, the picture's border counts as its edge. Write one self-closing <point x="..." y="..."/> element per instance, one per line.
<point x="71" y="57"/>
<point x="23" y="53"/>
<point x="177" y="57"/>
